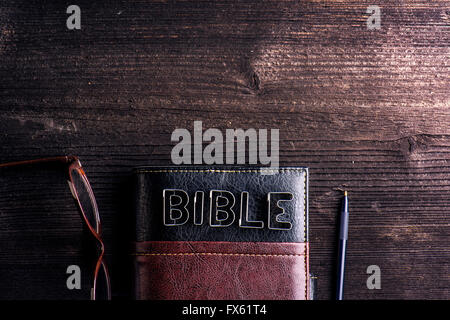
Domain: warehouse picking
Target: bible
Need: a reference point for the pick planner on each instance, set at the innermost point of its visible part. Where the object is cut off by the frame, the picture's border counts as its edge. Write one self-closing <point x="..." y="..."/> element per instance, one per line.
<point x="221" y="233"/>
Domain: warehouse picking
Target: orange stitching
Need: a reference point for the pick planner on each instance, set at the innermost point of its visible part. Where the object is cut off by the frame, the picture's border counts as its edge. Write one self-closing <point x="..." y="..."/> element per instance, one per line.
<point x="217" y="254"/>
<point x="304" y="234"/>
<point x="217" y="170"/>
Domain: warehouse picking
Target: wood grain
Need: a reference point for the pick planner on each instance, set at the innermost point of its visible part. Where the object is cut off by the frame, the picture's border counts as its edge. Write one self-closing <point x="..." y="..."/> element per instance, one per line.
<point x="366" y="110"/>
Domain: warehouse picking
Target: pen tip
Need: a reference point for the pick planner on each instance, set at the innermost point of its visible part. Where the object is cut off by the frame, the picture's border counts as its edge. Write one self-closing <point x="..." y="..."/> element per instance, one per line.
<point x="345" y="193"/>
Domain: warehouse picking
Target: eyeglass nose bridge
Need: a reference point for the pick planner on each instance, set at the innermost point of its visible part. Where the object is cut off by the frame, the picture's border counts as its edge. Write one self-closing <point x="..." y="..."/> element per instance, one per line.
<point x="98" y="273"/>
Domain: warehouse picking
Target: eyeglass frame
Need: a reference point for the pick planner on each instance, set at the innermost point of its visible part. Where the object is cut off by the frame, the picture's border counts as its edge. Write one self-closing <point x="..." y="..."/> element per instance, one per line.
<point x="73" y="163"/>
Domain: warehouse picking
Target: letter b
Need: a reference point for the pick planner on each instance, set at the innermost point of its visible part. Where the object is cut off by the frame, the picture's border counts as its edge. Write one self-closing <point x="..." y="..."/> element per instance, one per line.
<point x="225" y="209"/>
<point x="175" y="212"/>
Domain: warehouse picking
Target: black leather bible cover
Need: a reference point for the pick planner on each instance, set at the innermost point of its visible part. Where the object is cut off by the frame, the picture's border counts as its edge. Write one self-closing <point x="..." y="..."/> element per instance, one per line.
<point x="256" y="187"/>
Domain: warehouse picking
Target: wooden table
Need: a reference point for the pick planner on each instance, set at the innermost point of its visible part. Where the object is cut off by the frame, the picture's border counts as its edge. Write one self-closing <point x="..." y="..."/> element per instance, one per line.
<point x="365" y="110"/>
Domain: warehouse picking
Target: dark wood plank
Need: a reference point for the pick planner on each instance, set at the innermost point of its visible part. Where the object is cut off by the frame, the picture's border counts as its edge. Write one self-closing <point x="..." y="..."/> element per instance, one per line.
<point x="366" y="110"/>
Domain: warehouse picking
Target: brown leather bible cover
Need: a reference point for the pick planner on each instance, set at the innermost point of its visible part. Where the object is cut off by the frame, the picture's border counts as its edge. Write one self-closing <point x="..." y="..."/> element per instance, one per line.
<point x="203" y="270"/>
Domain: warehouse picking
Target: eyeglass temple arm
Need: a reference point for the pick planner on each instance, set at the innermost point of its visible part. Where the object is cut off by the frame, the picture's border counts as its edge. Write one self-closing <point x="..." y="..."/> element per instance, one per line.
<point x="62" y="159"/>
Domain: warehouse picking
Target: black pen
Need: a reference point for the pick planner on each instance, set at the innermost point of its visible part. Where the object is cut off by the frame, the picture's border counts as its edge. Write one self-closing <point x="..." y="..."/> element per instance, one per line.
<point x="343" y="236"/>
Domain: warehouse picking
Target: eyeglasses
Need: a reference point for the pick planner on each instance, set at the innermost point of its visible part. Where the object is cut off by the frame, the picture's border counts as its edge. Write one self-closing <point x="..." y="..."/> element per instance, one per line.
<point x="82" y="193"/>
